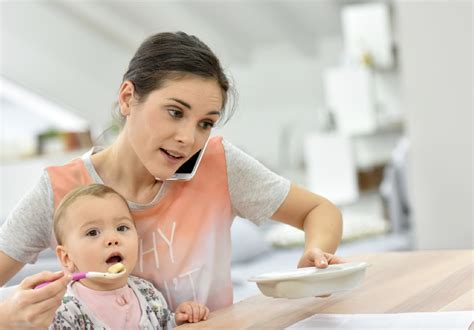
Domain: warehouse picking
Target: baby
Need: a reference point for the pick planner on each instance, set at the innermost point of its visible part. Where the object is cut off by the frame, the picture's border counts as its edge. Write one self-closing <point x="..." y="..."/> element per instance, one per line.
<point x="95" y="230"/>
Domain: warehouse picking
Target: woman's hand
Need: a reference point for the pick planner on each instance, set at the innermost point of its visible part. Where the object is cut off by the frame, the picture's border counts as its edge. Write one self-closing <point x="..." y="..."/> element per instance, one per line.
<point x="34" y="308"/>
<point x="316" y="257"/>
<point x="191" y="312"/>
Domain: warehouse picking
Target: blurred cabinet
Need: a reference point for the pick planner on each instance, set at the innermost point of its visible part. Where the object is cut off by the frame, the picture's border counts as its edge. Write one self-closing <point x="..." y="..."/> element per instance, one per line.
<point x="350" y="95"/>
<point x="339" y="166"/>
<point x="330" y="166"/>
<point x="363" y="96"/>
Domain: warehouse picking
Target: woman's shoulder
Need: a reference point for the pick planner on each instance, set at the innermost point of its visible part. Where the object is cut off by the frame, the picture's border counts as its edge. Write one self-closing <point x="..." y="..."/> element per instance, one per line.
<point x="219" y="143"/>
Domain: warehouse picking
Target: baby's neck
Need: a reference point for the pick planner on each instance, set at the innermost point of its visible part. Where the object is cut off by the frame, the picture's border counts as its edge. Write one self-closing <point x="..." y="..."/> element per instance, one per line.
<point x="103" y="284"/>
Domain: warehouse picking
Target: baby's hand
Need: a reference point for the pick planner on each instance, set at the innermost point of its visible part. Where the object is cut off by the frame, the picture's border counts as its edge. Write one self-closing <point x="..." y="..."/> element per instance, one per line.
<point x="191" y="312"/>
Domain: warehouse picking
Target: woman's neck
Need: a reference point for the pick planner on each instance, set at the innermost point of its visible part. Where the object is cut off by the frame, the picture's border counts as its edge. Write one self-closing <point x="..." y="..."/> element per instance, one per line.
<point x="119" y="167"/>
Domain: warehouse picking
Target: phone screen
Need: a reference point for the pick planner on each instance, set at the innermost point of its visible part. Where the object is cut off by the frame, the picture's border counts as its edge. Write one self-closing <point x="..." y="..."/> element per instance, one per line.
<point x="188" y="166"/>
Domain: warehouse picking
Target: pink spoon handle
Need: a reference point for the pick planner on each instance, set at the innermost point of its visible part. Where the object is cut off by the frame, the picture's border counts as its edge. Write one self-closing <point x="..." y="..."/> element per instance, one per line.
<point x="75" y="277"/>
<point x="79" y="276"/>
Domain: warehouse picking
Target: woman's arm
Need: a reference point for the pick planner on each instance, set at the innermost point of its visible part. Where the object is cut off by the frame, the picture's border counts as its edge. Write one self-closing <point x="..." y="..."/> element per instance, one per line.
<point x="257" y="193"/>
<point x="319" y="218"/>
<point x="8" y="268"/>
<point x="24" y="234"/>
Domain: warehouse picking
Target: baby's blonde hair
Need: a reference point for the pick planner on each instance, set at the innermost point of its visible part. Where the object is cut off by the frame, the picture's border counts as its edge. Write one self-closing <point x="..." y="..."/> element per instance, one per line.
<point x="94" y="189"/>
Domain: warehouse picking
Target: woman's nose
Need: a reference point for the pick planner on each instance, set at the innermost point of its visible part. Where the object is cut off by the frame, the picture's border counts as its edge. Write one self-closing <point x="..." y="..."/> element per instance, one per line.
<point x="186" y="134"/>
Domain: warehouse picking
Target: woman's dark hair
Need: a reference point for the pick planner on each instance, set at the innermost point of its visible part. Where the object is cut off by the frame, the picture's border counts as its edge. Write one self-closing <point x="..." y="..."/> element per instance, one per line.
<point x="174" y="55"/>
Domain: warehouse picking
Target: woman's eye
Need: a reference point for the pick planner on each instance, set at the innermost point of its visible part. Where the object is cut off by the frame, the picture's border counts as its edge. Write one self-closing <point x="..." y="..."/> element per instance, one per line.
<point x="175" y="113"/>
<point x="92" y="232"/>
<point x="122" y="228"/>
<point x="207" y="124"/>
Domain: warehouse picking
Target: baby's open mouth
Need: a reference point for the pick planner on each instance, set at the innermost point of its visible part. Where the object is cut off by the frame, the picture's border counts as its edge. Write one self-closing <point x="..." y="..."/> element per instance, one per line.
<point x="114" y="259"/>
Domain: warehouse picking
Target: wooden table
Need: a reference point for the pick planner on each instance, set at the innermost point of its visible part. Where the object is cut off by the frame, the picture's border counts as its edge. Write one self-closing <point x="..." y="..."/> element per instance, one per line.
<point x="396" y="282"/>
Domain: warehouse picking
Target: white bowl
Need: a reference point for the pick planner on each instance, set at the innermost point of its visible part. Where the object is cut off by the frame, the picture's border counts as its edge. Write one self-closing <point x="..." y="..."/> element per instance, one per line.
<point x="311" y="281"/>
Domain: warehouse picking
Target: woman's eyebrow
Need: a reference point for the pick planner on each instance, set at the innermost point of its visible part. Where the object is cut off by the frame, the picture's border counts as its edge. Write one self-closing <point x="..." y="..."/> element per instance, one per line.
<point x="187" y="105"/>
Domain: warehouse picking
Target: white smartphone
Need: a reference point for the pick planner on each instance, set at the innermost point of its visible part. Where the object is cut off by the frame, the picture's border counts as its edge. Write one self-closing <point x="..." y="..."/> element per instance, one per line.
<point x="188" y="169"/>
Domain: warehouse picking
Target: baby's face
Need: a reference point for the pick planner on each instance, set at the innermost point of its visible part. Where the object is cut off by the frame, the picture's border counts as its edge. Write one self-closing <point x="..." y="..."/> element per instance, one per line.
<point x="99" y="232"/>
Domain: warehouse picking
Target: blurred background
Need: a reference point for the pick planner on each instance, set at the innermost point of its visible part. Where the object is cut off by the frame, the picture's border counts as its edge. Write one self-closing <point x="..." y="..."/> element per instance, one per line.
<point x="368" y="103"/>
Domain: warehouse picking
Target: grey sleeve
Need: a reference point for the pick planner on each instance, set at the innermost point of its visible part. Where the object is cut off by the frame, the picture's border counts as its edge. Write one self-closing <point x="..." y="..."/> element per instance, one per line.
<point x="255" y="191"/>
<point x="28" y="228"/>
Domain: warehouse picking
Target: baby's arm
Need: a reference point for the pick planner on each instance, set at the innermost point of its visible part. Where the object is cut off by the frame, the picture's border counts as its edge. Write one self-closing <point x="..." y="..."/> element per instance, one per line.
<point x="191" y="312"/>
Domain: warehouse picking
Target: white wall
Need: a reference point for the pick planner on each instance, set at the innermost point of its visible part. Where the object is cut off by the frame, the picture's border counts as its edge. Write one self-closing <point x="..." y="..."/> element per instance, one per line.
<point x="279" y="94"/>
<point x="435" y="42"/>
<point x="61" y="58"/>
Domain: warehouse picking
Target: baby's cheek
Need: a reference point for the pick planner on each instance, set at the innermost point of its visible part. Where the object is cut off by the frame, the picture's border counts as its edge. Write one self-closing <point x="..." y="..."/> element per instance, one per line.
<point x="71" y="267"/>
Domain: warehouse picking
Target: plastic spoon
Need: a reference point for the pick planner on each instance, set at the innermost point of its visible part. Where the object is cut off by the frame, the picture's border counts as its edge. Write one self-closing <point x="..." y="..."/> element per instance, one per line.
<point x="111" y="275"/>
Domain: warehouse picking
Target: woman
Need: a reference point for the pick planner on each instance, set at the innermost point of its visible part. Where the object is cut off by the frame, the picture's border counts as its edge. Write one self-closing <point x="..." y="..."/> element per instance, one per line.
<point x="172" y="94"/>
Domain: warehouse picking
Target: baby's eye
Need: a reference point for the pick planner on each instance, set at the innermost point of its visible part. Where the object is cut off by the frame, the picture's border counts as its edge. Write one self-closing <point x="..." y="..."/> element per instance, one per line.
<point x="175" y="113"/>
<point x="122" y="228"/>
<point x="92" y="232"/>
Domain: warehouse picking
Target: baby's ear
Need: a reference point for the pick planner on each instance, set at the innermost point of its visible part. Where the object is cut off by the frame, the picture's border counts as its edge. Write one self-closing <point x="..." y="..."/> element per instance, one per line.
<point x="64" y="259"/>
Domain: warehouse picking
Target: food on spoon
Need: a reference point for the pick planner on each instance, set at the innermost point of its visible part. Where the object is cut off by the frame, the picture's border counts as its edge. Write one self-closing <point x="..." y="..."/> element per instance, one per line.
<point x="116" y="268"/>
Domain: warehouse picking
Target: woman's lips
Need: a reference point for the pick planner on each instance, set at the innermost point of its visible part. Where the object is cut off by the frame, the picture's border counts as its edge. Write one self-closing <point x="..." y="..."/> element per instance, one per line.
<point x="171" y="159"/>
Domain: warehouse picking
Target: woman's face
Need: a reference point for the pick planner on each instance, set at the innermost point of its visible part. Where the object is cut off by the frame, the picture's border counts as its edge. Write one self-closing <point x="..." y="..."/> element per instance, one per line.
<point x="173" y="123"/>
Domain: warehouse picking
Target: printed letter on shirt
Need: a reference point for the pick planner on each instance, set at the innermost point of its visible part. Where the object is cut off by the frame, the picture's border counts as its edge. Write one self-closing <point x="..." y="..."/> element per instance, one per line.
<point x="170" y="241"/>
<point x="153" y="249"/>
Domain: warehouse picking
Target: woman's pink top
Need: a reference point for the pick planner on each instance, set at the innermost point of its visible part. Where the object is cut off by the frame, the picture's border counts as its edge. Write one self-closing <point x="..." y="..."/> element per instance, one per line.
<point x="184" y="246"/>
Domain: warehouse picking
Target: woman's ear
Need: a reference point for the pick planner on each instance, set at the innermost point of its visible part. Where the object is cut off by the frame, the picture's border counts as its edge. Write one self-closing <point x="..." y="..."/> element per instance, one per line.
<point x="125" y="97"/>
<point x="64" y="258"/>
